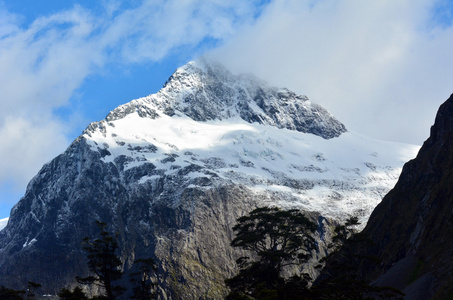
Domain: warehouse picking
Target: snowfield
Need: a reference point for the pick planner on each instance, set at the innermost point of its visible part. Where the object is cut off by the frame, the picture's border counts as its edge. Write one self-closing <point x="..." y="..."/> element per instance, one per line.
<point x="207" y="123"/>
<point x="343" y="176"/>
<point x="241" y="130"/>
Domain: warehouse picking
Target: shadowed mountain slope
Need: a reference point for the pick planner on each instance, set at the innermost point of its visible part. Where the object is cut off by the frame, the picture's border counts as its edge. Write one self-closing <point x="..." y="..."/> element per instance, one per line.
<point x="412" y="226"/>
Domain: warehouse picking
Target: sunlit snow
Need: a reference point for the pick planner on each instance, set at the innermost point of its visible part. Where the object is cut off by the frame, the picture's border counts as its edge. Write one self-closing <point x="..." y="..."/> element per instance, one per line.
<point x="343" y="176"/>
<point x="197" y="121"/>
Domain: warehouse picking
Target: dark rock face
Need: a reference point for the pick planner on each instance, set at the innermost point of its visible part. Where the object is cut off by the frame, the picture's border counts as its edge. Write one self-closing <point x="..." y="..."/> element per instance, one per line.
<point x="412" y="225"/>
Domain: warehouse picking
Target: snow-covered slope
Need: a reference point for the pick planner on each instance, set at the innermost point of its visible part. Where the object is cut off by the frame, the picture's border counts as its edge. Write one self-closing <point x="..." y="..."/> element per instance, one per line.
<point x="239" y="129"/>
<point x="347" y="175"/>
<point x="172" y="172"/>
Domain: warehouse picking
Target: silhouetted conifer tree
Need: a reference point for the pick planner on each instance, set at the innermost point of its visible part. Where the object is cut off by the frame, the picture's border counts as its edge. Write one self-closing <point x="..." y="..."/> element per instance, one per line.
<point x="278" y="238"/>
<point x="31" y="290"/>
<point x="10" y="294"/>
<point x="75" y="294"/>
<point x="103" y="262"/>
<point x="144" y="287"/>
<point x="340" y="279"/>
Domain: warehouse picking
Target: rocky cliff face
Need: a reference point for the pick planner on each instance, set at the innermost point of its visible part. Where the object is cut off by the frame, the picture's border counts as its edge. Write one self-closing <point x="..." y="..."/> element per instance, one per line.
<point x="412" y="226"/>
<point x="171" y="173"/>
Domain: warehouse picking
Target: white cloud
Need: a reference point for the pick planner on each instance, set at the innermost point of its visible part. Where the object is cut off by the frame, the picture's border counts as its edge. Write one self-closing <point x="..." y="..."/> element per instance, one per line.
<point x="43" y="64"/>
<point x="25" y="146"/>
<point x="157" y="27"/>
<point x="382" y="67"/>
<point x="40" y="67"/>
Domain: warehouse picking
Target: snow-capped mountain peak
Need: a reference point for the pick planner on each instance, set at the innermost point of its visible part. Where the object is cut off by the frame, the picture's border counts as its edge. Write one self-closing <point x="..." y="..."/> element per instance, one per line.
<point x="204" y="90"/>
<point x="208" y="123"/>
<point x="172" y="172"/>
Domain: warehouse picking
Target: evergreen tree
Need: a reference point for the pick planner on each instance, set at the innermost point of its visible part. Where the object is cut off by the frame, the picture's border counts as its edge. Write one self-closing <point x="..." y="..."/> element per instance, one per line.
<point x="144" y="286"/>
<point x="10" y="294"/>
<point x="75" y="294"/>
<point x="340" y="279"/>
<point x="31" y="290"/>
<point x="103" y="262"/>
<point x="278" y="238"/>
<point x="29" y="293"/>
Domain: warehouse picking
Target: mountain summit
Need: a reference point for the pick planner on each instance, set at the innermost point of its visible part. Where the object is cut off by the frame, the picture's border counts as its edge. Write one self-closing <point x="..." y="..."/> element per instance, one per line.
<point x="205" y="91"/>
<point x="171" y="173"/>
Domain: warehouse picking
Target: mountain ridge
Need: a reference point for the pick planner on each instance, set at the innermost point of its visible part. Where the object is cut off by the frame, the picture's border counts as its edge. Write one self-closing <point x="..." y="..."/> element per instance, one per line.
<point x="171" y="177"/>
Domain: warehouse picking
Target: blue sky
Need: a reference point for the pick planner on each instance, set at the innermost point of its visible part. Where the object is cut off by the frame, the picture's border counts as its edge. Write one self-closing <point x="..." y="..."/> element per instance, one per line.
<point x="381" y="67"/>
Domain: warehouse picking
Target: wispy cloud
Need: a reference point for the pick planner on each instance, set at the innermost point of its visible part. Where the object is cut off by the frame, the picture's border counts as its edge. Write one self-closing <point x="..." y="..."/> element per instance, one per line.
<point x="382" y="67"/>
<point x="44" y="63"/>
<point x="157" y="27"/>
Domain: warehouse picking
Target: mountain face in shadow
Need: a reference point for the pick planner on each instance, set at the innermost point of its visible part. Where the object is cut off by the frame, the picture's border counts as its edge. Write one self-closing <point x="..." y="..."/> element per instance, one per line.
<point x="412" y="227"/>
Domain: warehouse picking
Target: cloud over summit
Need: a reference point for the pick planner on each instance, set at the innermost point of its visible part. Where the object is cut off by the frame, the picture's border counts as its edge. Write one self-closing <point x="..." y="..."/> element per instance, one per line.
<point x="381" y="67"/>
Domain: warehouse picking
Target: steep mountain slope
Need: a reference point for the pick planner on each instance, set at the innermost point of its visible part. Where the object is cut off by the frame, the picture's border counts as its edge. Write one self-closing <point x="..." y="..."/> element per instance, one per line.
<point x="172" y="172"/>
<point x="412" y="225"/>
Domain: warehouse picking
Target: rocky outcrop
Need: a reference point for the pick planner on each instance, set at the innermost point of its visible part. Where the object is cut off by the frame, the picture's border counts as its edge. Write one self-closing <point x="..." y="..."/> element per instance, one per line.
<point x="411" y="227"/>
